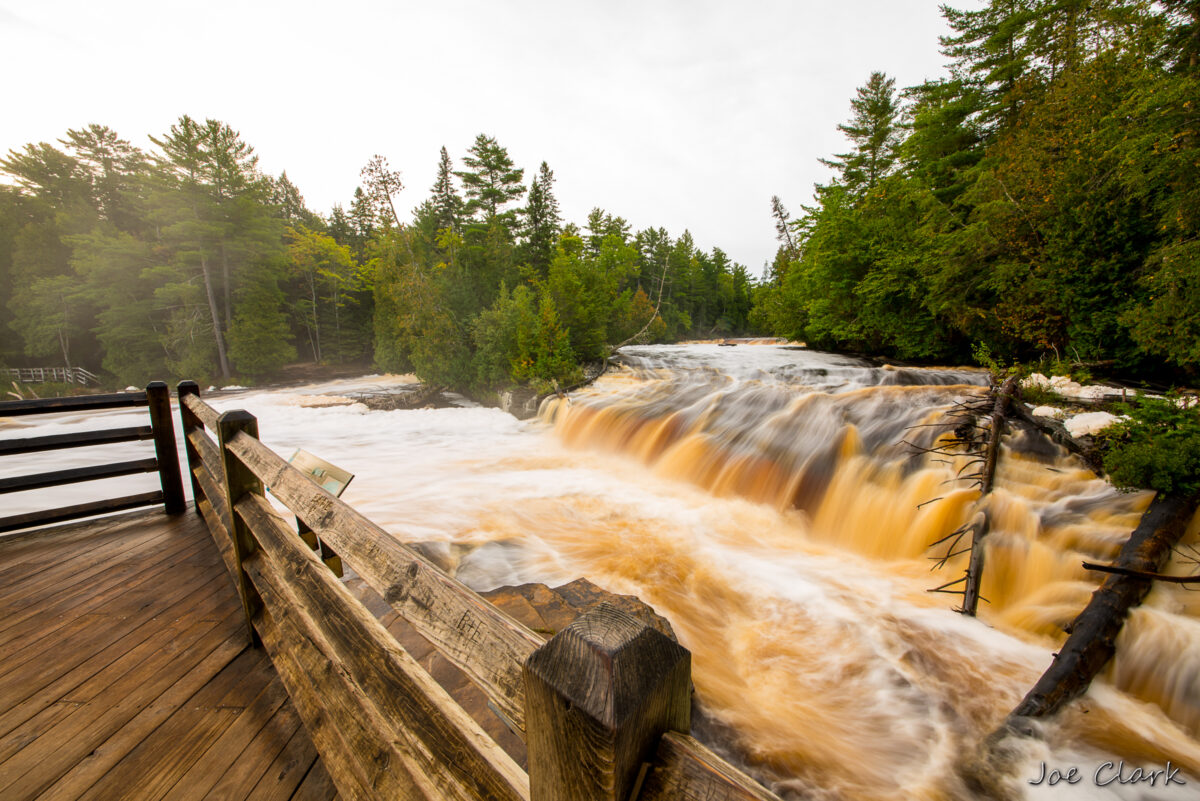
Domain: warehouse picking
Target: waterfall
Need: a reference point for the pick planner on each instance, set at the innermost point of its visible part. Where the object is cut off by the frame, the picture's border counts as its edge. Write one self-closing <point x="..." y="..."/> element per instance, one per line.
<point x="763" y="499"/>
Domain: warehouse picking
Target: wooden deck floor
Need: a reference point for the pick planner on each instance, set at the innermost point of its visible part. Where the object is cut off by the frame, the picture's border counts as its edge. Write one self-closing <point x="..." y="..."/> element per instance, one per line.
<point x="125" y="672"/>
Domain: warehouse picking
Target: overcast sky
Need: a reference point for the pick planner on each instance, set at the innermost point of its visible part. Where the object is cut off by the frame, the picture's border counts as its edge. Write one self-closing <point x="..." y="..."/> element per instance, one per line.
<point x="671" y="113"/>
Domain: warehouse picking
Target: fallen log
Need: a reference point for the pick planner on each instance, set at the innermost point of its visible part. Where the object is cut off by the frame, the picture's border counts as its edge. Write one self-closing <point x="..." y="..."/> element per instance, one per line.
<point x="1124" y="571"/>
<point x="1057" y="432"/>
<point x="974" y="578"/>
<point x="1093" y="634"/>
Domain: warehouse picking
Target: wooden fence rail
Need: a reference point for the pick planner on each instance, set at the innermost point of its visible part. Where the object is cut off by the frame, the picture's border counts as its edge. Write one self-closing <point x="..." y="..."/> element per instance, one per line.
<point x="165" y="462"/>
<point x="41" y="375"/>
<point x="603" y="706"/>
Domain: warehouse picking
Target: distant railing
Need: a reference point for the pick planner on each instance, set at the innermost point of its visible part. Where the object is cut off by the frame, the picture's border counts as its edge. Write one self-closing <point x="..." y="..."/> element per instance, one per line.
<point x="165" y="462"/>
<point x="42" y="375"/>
<point x="603" y="706"/>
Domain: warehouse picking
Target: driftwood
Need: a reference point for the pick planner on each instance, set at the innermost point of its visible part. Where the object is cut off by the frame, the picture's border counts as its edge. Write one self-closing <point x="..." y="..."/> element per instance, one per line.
<point x="1124" y="571"/>
<point x="1093" y="634"/>
<point x="987" y="459"/>
<point x="1004" y="396"/>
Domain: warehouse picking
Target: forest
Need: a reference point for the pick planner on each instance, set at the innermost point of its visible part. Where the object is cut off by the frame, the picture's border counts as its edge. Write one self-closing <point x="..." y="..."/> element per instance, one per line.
<point x="1044" y="198"/>
<point x="188" y="261"/>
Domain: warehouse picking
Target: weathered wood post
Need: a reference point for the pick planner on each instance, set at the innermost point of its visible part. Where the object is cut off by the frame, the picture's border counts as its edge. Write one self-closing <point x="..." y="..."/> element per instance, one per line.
<point x="598" y="696"/>
<point x="188" y="422"/>
<point x="158" y="398"/>
<point x="239" y="480"/>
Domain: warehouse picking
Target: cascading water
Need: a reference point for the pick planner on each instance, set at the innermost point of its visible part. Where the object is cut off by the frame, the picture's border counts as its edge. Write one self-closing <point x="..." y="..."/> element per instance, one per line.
<point x="760" y="498"/>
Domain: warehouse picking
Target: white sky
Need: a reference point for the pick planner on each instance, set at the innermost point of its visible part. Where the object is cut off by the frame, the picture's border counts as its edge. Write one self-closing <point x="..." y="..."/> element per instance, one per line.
<point x="665" y="112"/>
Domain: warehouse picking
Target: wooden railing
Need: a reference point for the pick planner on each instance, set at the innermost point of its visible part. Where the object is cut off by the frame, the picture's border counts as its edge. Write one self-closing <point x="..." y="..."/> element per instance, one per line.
<point x="165" y="462"/>
<point x="41" y="375"/>
<point x="603" y="706"/>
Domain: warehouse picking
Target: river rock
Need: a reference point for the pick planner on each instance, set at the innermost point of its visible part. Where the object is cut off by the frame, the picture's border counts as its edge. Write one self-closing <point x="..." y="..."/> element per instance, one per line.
<point x="1036" y="380"/>
<point x="1089" y="423"/>
<point x="520" y="402"/>
<point x="1048" y="411"/>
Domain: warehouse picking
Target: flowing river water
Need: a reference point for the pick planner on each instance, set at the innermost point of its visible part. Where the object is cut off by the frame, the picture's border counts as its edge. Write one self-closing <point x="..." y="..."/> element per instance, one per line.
<point x="762" y="499"/>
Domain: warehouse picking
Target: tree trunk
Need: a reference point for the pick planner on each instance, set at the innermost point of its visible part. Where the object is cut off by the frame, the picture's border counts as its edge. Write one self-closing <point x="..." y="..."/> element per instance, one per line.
<point x="228" y="290"/>
<point x="1093" y="634"/>
<point x="222" y="360"/>
<point x="1004" y="395"/>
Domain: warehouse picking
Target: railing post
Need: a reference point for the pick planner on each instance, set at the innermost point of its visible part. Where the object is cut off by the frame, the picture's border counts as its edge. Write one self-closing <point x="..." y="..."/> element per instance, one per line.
<point x="598" y="696"/>
<point x="239" y="480"/>
<point x="159" y="401"/>
<point x="189" y="421"/>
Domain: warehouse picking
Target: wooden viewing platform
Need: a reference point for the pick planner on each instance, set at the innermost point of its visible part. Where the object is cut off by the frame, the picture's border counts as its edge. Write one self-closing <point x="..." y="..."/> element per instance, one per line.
<point x="127" y="672"/>
<point x="216" y="653"/>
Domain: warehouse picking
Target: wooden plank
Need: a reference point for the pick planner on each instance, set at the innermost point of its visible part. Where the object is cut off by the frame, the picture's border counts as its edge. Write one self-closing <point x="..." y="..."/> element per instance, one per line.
<point x="486" y="644"/>
<point x="79" y="574"/>
<point x="207" y="414"/>
<point x="336" y="753"/>
<point x="33" y="694"/>
<point x="80" y="403"/>
<point x="333" y="480"/>
<point x="30" y="575"/>
<point x="221" y="539"/>
<point x="72" y="746"/>
<point x="426" y="728"/>
<point x="206" y="449"/>
<point x="189" y="423"/>
<point x="14" y="547"/>
<point x="685" y="770"/>
<point x="22" y="616"/>
<point x="239" y="758"/>
<point x="29" y="556"/>
<point x="79" y="646"/>
<point x="82" y="682"/>
<point x="599" y="695"/>
<point x="154" y="765"/>
<point x="78" y="439"/>
<point x="64" y="513"/>
<point x="108" y="738"/>
<point x="288" y="769"/>
<point x="317" y="785"/>
<point x="57" y="478"/>
<point x="240" y="481"/>
<point x="170" y="477"/>
<point x="74" y="597"/>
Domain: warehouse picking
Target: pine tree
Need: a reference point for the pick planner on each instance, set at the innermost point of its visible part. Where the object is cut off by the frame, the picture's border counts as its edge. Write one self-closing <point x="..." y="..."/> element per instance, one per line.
<point x="874" y="132"/>
<point x="382" y="183"/>
<point x="783" y="227"/>
<point x="542" y="220"/>
<point x="446" y="204"/>
<point x="491" y="180"/>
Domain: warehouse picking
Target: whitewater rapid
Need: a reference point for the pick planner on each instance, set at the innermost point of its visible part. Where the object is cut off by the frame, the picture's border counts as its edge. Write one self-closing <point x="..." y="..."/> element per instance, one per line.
<point x="760" y="499"/>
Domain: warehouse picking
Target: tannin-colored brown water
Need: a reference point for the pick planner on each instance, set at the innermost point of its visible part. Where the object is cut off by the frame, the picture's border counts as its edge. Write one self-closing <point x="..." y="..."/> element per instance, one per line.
<point x="815" y="637"/>
<point x="760" y="498"/>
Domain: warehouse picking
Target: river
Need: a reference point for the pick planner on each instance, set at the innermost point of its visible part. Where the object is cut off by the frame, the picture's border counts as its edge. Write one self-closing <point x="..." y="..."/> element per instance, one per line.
<point x="762" y="500"/>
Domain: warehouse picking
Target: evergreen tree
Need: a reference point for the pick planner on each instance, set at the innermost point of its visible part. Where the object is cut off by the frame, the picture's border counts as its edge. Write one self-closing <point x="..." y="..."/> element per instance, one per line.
<point x="446" y="204"/>
<point x="783" y="227"/>
<point x="542" y="221"/>
<point x="382" y="185"/>
<point x="491" y="180"/>
<point x="874" y="132"/>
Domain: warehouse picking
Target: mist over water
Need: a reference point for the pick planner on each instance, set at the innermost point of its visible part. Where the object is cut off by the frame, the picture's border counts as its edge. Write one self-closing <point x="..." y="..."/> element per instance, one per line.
<point x="761" y="499"/>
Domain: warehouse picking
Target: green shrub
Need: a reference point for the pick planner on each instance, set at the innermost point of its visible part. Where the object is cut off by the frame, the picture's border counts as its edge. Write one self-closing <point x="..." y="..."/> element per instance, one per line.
<point x="1157" y="448"/>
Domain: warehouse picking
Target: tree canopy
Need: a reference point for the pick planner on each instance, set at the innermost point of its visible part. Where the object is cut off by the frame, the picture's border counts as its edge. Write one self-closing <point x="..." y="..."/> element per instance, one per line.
<point x="1042" y="198"/>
